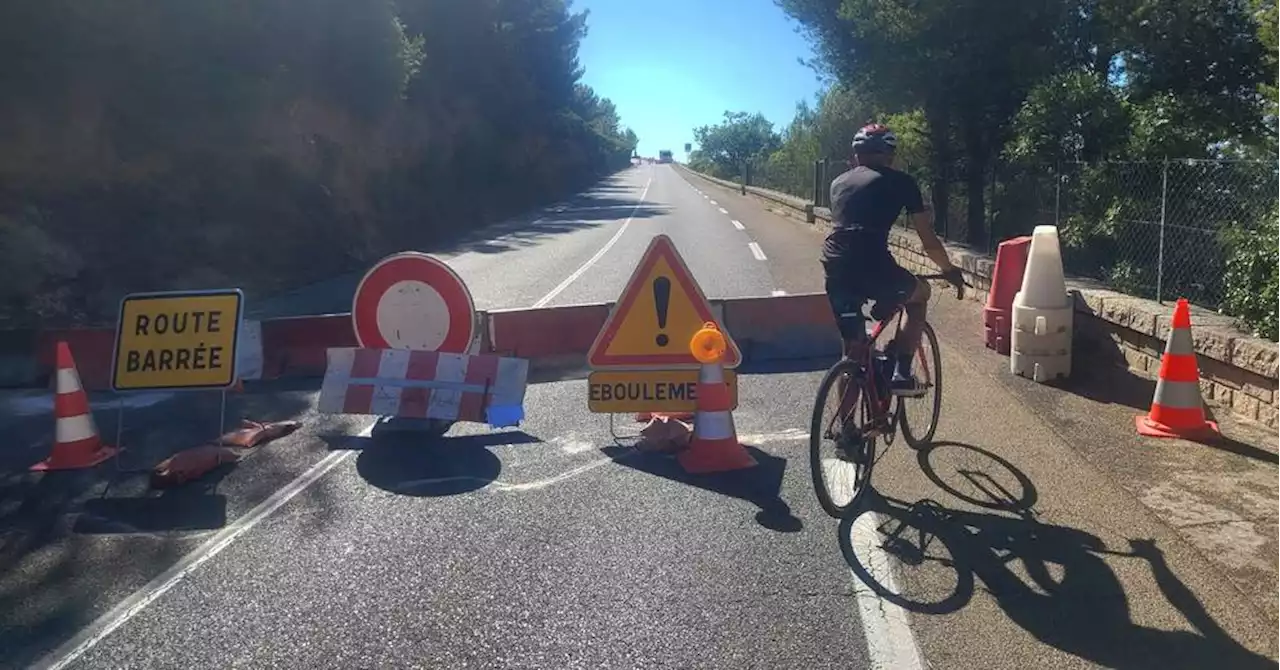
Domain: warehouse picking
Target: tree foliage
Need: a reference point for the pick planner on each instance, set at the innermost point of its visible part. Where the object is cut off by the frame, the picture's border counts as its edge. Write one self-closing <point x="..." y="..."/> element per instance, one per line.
<point x="165" y="145"/>
<point x="997" y="99"/>
<point x="1048" y="80"/>
<point x="740" y="139"/>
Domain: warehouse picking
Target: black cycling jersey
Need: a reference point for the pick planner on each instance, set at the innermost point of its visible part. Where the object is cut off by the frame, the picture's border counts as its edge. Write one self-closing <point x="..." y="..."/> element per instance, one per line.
<point x="865" y="201"/>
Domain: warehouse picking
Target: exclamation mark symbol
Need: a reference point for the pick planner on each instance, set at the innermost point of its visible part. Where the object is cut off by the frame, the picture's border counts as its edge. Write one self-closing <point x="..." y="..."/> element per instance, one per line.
<point x="661" y="298"/>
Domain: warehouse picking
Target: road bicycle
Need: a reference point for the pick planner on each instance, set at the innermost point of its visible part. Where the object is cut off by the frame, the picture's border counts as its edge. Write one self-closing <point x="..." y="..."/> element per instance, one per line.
<point x="876" y="416"/>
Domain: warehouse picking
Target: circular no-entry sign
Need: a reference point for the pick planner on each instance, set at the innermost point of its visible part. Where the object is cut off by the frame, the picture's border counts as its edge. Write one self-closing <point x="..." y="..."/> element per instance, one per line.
<point x="410" y="300"/>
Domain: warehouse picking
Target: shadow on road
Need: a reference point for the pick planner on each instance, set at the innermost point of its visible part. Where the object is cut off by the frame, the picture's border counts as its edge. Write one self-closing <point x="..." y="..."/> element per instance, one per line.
<point x="416" y="465"/>
<point x="1050" y="580"/>
<point x="760" y="485"/>
<point x="68" y="537"/>
<point x="1116" y="386"/>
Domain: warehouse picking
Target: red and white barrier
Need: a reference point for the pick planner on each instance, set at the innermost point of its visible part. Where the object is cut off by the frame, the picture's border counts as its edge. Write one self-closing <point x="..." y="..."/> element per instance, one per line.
<point x="421" y="384"/>
<point x="765" y="328"/>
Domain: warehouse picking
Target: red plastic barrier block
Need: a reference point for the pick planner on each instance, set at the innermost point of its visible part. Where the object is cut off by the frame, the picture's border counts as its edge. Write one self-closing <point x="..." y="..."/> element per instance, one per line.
<point x="782" y="327"/>
<point x="295" y="347"/>
<point x="90" y="347"/>
<point x="545" y="332"/>
<point x="996" y="329"/>
<point x="1006" y="281"/>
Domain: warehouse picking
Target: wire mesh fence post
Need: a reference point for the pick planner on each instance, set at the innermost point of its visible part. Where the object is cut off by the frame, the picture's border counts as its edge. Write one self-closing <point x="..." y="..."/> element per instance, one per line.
<point x="817" y="179"/>
<point x="1164" y="205"/>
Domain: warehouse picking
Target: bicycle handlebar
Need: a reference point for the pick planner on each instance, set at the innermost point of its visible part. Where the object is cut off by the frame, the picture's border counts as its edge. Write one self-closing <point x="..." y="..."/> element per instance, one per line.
<point x="959" y="288"/>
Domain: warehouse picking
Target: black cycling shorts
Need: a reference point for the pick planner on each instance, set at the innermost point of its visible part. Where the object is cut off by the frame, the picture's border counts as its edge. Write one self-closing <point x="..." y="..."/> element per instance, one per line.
<point x="850" y="283"/>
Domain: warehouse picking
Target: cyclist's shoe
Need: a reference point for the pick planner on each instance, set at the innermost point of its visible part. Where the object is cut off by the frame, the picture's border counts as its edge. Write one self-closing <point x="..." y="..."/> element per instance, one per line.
<point x="906" y="386"/>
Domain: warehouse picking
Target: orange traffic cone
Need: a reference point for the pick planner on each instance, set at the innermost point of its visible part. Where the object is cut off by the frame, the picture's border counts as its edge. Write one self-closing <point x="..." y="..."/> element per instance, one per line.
<point x="76" y="443"/>
<point x="714" y="447"/>
<point x="1177" y="410"/>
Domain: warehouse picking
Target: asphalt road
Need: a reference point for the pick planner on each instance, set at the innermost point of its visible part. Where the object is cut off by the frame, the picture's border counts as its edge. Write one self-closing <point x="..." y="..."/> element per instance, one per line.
<point x="558" y="546"/>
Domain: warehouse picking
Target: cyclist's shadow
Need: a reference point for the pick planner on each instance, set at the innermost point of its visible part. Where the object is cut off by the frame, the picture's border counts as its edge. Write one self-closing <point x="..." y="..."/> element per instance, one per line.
<point x="1083" y="610"/>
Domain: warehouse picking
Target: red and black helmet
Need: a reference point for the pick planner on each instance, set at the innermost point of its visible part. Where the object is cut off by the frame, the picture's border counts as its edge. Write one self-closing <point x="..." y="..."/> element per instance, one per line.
<point x="874" y="138"/>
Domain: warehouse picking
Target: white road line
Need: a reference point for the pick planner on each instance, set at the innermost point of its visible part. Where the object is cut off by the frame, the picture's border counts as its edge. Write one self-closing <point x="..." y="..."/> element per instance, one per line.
<point x="599" y="254"/>
<point x="887" y="626"/>
<point x="117" y="616"/>
<point x="724" y="211"/>
<point x="778" y="292"/>
<point x="788" y="435"/>
<point x="737" y="224"/>
<point x="757" y="252"/>
<point x="714" y="202"/>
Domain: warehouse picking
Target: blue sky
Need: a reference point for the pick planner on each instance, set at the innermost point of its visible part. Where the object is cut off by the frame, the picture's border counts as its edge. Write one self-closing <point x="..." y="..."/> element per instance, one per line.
<point x="672" y="65"/>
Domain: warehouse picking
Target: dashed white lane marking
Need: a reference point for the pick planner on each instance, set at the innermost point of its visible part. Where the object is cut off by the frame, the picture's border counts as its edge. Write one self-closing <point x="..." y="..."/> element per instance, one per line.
<point x="737" y="224"/>
<point x="890" y="642"/>
<point x="599" y="254"/>
<point x="130" y="607"/>
<point x="714" y="202"/>
<point x="757" y="252"/>
<point x="724" y="211"/>
<point x="778" y="292"/>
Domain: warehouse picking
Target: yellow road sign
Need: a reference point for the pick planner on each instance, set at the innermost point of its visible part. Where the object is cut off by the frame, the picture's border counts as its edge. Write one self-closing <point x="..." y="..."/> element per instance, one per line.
<point x="177" y="340"/>
<point x="618" y="391"/>
<point x="658" y="313"/>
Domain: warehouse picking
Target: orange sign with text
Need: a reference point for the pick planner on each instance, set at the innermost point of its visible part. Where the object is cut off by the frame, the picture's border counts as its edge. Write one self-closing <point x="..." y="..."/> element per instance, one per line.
<point x="659" y="311"/>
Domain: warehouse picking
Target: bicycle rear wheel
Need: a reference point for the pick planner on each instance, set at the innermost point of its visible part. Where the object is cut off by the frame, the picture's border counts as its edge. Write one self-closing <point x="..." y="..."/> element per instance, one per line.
<point x="837" y="482"/>
<point x="919" y="416"/>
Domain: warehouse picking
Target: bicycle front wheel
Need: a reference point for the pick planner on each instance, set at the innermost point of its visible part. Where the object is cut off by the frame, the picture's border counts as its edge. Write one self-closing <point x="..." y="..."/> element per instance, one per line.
<point x="837" y="481"/>
<point x="919" y="416"/>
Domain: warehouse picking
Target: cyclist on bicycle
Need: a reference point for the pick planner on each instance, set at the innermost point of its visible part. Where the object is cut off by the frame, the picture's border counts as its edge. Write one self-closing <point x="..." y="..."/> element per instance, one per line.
<point x="865" y="201"/>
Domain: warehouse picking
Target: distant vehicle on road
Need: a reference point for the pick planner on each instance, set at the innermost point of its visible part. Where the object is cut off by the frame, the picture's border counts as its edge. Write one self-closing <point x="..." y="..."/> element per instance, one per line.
<point x="664" y="156"/>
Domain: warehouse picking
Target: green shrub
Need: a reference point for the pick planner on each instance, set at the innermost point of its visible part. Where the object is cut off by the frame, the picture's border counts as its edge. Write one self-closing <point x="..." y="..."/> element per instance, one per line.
<point x="1253" y="276"/>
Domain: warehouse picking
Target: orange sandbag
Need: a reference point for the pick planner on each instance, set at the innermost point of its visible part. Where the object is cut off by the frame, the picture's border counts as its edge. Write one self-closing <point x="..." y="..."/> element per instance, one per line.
<point x="664" y="435"/>
<point x="251" y="433"/>
<point x="192" y="463"/>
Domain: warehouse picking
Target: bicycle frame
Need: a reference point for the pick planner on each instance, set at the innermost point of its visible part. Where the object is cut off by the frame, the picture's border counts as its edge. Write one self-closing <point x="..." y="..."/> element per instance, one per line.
<point x="880" y="400"/>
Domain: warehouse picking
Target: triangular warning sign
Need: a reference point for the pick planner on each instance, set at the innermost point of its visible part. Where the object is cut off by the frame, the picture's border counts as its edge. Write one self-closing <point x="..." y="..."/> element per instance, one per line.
<point x="657" y="315"/>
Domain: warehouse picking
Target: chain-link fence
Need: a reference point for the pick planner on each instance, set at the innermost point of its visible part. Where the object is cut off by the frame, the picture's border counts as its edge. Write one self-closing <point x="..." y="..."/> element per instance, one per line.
<point x="1153" y="229"/>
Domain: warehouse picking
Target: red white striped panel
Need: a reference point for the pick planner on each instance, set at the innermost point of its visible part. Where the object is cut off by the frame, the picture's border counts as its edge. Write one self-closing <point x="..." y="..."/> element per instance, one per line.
<point x="420" y="384"/>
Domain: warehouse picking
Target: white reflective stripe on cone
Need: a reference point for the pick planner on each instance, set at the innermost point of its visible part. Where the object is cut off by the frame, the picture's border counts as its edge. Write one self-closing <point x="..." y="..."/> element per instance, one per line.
<point x="74" y="428"/>
<point x="713" y="425"/>
<point x="1178" y="395"/>
<point x="711" y="373"/>
<point x="68" y="381"/>
<point x="1180" y="342"/>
